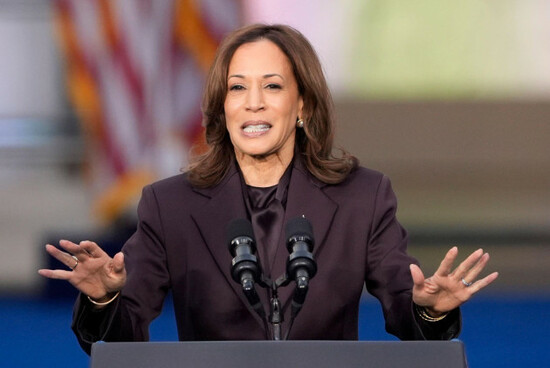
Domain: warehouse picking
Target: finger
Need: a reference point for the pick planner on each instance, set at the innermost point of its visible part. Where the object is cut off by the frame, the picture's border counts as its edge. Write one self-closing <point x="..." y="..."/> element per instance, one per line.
<point x="446" y="264"/>
<point x="474" y="272"/>
<point x="480" y="284"/>
<point x="417" y="275"/>
<point x="468" y="263"/>
<point x="63" y="257"/>
<point x="118" y="262"/>
<point x="73" y="248"/>
<point x="91" y="248"/>
<point x="56" y="274"/>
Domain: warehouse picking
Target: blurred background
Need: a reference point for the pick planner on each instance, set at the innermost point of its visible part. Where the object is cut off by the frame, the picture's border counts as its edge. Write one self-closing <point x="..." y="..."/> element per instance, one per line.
<point x="450" y="99"/>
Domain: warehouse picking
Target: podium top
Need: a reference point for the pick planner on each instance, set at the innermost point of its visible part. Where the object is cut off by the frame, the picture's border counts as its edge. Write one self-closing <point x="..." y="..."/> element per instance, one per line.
<point x="280" y="354"/>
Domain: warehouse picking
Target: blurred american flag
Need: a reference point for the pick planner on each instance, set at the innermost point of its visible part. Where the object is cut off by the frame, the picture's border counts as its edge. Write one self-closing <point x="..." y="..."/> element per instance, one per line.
<point x="135" y="73"/>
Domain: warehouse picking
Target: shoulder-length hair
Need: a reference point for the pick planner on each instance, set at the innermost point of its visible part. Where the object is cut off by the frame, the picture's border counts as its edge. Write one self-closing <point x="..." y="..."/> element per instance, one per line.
<point x="314" y="142"/>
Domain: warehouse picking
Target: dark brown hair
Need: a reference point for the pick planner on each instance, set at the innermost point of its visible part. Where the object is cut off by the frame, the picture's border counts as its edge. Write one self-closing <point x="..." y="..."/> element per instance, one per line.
<point x="314" y="142"/>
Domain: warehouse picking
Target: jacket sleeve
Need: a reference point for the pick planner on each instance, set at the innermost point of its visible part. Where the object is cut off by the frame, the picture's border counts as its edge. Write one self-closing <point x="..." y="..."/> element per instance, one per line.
<point x="141" y="299"/>
<point x="388" y="275"/>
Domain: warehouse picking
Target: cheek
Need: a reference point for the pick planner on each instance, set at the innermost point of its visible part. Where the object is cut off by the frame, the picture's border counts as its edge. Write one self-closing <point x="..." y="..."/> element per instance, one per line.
<point x="229" y="114"/>
<point x="226" y="107"/>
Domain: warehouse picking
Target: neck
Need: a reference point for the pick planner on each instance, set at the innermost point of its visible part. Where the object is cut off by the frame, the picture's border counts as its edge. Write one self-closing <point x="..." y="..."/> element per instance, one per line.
<point x="263" y="171"/>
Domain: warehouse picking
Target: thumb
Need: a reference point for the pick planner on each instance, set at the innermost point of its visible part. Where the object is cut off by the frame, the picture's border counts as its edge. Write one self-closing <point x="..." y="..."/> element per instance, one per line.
<point x="118" y="262"/>
<point x="417" y="275"/>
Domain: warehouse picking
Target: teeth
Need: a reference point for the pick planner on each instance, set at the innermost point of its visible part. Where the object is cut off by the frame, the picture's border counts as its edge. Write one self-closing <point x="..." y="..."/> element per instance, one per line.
<point x="256" y="128"/>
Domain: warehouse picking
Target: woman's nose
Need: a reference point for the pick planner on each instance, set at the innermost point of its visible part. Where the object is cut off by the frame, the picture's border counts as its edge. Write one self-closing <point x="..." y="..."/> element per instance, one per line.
<point x="255" y="99"/>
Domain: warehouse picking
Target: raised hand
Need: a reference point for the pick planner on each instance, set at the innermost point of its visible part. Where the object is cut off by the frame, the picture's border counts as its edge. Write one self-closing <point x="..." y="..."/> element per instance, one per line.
<point x="448" y="289"/>
<point x="92" y="272"/>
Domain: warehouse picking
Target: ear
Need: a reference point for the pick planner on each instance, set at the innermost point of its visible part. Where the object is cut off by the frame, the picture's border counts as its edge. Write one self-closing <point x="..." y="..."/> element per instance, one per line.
<point x="300" y="107"/>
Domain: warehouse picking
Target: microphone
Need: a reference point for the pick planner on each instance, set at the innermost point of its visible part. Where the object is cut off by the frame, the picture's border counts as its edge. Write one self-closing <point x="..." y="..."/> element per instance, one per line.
<point x="245" y="269"/>
<point x="301" y="266"/>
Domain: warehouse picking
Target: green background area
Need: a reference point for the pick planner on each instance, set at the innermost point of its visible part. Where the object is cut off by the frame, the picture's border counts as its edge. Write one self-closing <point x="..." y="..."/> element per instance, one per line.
<point x="437" y="49"/>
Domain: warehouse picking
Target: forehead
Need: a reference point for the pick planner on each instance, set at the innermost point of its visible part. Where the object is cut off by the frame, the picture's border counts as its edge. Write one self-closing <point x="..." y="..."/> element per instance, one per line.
<point x="259" y="56"/>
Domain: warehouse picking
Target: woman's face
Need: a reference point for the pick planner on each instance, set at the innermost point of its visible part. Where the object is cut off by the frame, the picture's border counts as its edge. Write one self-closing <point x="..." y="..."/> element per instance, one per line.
<point x="262" y="101"/>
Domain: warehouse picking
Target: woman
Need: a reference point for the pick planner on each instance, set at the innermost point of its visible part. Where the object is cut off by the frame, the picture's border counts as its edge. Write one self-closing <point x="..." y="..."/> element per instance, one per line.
<point x="269" y="130"/>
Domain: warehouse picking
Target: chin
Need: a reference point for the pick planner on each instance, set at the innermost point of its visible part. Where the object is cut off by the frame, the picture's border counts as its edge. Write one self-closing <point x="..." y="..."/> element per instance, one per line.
<point x="256" y="151"/>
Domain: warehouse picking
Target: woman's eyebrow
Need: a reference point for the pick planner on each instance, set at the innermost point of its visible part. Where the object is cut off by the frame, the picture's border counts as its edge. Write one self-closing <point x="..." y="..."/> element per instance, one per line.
<point x="264" y="76"/>
<point x="273" y="75"/>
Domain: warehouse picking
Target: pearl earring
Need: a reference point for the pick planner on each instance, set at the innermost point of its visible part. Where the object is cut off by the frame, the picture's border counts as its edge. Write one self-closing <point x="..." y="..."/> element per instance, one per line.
<point x="300" y="123"/>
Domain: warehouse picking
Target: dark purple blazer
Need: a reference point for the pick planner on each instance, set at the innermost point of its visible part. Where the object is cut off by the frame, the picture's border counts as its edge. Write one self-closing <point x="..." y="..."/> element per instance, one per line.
<point x="180" y="245"/>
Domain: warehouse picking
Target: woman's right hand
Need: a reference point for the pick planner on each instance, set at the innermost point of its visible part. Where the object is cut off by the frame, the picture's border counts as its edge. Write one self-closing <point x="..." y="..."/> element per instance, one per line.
<point x="93" y="272"/>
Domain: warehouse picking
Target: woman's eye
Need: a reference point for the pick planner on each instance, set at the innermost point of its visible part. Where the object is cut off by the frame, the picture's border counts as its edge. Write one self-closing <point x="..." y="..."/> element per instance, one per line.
<point x="273" y="86"/>
<point x="236" y="87"/>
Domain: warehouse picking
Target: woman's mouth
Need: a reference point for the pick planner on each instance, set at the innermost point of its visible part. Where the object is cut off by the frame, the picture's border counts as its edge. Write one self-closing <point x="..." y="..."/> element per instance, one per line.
<point x="254" y="129"/>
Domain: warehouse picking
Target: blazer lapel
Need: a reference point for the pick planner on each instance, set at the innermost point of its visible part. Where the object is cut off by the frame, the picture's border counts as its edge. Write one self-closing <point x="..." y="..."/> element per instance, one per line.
<point x="305" y="198"/>
<point x="226" y="204"/>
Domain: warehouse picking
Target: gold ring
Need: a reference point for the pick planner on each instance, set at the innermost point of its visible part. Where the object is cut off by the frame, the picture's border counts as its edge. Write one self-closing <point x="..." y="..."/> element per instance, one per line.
<point x="76" y="264"/>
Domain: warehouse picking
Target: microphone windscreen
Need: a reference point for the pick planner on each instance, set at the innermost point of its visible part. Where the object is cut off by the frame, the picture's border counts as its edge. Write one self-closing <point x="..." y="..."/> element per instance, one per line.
<point x="299" y="226"/>
<point x="238" y="228"/>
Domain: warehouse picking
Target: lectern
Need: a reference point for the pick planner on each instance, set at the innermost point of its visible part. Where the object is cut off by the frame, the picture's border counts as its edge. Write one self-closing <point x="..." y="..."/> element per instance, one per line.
<point x="279" y="354"/>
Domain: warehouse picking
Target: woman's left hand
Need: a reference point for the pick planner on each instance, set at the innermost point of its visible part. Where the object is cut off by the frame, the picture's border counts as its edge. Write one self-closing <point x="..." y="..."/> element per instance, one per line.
<point x="448" y="289"/>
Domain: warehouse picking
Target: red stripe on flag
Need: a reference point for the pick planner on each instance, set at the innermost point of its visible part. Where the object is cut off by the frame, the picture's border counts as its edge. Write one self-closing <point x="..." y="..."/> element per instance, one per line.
<point x="134" y="83"/>
<point x="78" y="59"/>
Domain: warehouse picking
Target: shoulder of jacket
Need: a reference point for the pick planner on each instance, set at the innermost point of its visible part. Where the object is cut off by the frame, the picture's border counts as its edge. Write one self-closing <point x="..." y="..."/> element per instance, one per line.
<point x="362" y="176"/>
<point x="171" y="187"/>
<point x="179" y="181"/>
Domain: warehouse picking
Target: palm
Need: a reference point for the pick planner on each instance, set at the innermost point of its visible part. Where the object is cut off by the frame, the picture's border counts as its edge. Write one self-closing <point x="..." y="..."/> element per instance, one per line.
<point x="95" y="275"/>
<point x="445" y="290"/>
